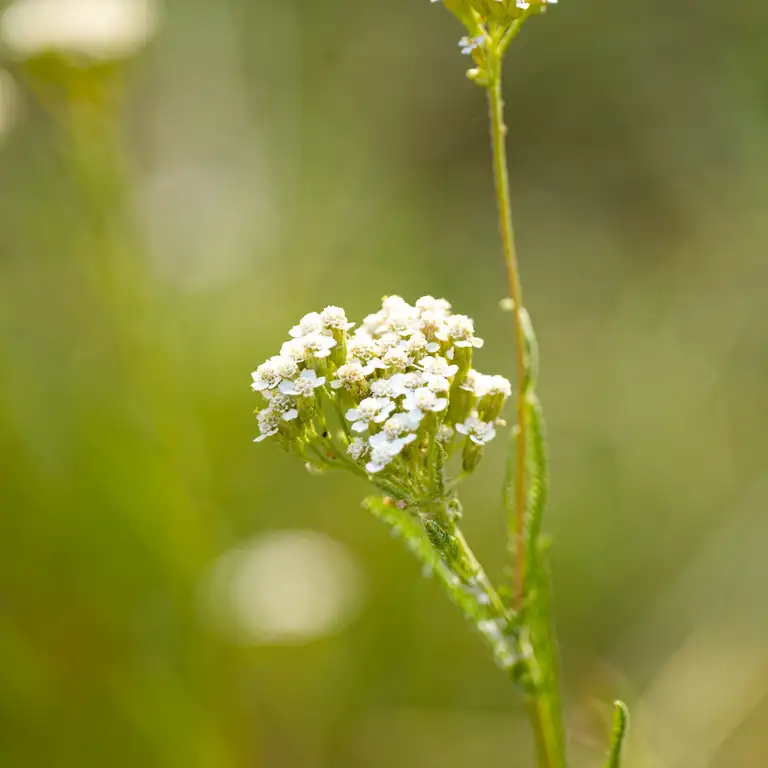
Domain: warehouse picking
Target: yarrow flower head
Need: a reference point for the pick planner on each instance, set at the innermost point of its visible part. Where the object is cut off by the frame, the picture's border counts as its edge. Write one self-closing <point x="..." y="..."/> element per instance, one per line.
<point x="392" y="399"/>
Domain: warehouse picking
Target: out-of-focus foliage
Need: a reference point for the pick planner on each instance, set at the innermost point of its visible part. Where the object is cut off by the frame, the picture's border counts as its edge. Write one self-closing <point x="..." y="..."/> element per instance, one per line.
<point x="268" y="159"/>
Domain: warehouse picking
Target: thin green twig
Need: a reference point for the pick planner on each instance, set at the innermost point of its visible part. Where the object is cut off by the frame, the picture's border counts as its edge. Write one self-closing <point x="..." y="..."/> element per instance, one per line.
<point x="501" y="174"/>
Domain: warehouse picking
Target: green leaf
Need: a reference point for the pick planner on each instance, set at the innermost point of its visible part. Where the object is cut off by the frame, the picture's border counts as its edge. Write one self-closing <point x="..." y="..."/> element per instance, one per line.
<point x="454" y="566"/>
<point x="620" y="729"/>
<point x="544" y="667"/>
<point x="538" y="480"/>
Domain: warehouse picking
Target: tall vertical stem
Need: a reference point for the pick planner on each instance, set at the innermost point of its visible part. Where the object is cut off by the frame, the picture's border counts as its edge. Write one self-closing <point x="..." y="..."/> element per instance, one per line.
<point x="498" y="136"/>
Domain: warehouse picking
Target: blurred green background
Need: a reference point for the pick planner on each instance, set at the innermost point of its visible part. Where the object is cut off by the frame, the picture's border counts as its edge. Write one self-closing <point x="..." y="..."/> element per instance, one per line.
<point x="172" y="594"/>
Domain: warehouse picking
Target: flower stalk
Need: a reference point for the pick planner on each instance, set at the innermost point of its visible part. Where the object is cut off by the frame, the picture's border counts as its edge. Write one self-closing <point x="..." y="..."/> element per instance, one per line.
<point x="516" y="518"/>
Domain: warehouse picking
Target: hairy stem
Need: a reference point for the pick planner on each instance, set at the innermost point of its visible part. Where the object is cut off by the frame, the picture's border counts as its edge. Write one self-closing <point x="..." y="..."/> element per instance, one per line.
<point x="498" y="136"/>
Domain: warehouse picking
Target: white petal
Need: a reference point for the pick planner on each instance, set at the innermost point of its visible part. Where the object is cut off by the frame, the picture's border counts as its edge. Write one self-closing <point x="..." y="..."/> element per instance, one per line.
<point x="290" y="415"/>
<point x="462" y="430"/>
<point x="352" y="414"/>
<point x="415" y="415"/>
<point x="359" y="426"/>
<point x="287" y="387"/>
<point x="337" y="384"/>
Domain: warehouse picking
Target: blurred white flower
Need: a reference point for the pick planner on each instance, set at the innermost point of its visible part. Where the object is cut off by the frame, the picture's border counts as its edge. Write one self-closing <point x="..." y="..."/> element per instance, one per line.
<point x="100" y="29"/>
<point x="284" y="587"/>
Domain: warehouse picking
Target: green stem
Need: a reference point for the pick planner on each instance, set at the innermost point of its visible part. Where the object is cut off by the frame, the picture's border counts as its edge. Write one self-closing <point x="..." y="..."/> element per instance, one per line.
<point x="544" y="721"/>
<point x="498" y="136"/>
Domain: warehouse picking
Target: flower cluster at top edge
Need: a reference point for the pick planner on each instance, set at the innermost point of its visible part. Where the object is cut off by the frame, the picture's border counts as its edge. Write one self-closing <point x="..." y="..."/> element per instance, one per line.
<point x="479" y="16"/>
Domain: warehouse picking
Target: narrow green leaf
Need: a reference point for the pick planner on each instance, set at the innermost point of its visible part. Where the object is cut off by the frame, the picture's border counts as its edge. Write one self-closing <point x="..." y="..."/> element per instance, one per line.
<point x="620" y="729"/>
<point x="539" y="610"/>
<point x="538" y="480"/>
<point x="545" y="663"/>
<point x="453" y="565"/>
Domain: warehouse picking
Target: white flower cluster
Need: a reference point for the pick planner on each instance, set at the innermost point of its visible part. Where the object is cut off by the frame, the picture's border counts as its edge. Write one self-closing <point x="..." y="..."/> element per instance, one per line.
<point x="398" y="384"/>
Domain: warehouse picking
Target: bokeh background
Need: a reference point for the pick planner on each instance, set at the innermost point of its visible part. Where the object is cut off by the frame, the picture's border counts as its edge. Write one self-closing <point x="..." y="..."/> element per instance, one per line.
<point x="172" y="594"/>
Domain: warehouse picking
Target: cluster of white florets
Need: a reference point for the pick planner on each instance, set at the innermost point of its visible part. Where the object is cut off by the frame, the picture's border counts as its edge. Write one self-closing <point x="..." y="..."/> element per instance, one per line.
<point x="400" y="382"/>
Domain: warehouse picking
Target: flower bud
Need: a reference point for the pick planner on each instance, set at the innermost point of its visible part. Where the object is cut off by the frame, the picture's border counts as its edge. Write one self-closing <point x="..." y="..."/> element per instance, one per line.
<point x="471" y="456"/>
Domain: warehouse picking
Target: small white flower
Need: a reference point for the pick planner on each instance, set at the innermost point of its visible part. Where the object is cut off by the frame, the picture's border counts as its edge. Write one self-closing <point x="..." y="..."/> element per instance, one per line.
<point x="469" y="44"/>
<point x="424" y="399"/>
<point x="417" y="345"/>
<point x="498" y="385"/>
<point x="335" y="317"/>
<point x="388" y="340"/>
<point x="358" y="448"/>
<point x="285" y="366"/>
<point x="304" y="385"/>
<point x="281" y="403"/>
<point x="402" y="423"/>
<point x="375" y="409"/>
<point x="310" y="323"/>
<point x="348" y="375"/>
<point x="401" y="321"/>
<point x="437" y="372"/>
<point x="396" y="359"/>
<point x="268" y="424"/>
<point x="363" y="347"/>
<point x="432" y="325"/>
<point x="479" y="431"/>
<point x="461" y="331"/>
<point x="391" y="304"/>
<point x="265" y="376"/>
<point x="382" y="388"/>
<point x="477" y="383"/>
<point x="296" y="349"/>
<point x="373" y="323"/>
<point x="445" y="433"/>
<point x="383" y="451"/>
<point x="431" y="304"/>
<point x="403" y="383"/>
<point x="318" y="344"/>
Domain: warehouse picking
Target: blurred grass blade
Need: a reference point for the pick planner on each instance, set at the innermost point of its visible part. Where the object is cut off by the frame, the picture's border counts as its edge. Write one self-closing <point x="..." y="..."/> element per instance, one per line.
<point x="620" y="729"/>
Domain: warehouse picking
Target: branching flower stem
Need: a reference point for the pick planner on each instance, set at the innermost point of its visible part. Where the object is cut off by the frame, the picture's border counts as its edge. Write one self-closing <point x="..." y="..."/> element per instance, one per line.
<point x="498" y="141"/>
